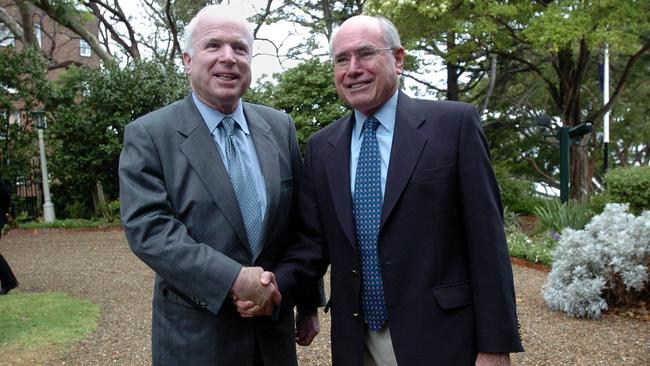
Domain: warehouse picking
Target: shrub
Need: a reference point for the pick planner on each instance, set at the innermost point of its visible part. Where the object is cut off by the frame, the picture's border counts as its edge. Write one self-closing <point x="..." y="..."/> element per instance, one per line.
<point x="629" y="185"/>
<point x="555" y="215"/>
<point x="536" y="249"/>
<point x="606" y="263"/>
<point x="517" y="194"/>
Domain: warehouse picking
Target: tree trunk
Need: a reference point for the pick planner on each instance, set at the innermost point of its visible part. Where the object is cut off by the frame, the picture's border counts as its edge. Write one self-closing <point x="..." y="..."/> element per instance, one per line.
<point x="571" y="72"/>
<point x="580" y="178"/>
<point x="452" y="70"/>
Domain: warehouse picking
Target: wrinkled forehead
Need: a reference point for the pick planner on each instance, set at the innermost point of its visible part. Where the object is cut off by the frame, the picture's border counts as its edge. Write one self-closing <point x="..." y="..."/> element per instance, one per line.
<point x="210" y="22"/>
<point x="357" y="34"/>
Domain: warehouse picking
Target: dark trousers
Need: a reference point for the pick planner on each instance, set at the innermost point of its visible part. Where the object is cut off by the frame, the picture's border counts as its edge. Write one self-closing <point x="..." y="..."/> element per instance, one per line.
<point x="7" y="278"/>
<point x="257" y="359"/>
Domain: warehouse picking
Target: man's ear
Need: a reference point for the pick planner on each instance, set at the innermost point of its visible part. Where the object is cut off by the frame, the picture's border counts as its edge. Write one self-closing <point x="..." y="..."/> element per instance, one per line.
<point x="399" y="60"/>
<point x="187" y="60"/>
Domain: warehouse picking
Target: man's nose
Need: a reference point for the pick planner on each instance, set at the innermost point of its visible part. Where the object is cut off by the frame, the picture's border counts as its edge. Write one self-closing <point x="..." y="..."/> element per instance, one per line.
<point x="354" y="65"/>
<point x="227" y="54"/>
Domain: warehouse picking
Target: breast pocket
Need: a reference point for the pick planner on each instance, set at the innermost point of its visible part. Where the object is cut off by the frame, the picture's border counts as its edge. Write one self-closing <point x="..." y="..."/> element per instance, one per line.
<point x="433" y="174"/>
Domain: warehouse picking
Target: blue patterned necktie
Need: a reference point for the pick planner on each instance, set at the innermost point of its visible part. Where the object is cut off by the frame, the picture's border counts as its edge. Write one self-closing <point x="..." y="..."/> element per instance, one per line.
<point x="244" y="186"/>
<point x="366" y="206"/>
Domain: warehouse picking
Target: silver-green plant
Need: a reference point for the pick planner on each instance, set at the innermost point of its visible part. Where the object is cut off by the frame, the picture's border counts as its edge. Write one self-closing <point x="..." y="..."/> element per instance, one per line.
<point x="607" y="260"/>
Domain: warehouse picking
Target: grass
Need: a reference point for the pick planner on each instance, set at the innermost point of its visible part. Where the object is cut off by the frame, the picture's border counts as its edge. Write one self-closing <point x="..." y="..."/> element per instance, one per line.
<point x="35" y="327"/>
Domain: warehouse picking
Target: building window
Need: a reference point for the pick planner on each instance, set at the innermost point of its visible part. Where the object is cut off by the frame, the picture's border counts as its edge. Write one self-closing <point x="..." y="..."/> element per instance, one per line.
<point x="6" y="38"/>
<point x="84" y="48"/>
<point x="37" y="33"/>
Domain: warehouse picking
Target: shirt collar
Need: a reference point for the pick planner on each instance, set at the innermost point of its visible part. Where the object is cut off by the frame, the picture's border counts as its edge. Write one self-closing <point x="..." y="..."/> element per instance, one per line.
<point x="385" y="115"/>
<point x="213" y="117"/>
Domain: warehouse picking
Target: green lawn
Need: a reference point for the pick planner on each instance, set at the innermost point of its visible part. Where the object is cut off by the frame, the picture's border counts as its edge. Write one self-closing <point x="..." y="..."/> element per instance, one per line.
<point x="35" y="327"/>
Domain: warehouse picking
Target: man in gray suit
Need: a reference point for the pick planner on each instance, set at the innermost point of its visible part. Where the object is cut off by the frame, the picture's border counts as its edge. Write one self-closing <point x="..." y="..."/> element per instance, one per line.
<point x="206" y="190"/>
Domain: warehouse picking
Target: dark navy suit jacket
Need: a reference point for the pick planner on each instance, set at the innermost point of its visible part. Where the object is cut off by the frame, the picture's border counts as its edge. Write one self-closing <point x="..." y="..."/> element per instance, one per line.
<point x="444" y="260"/>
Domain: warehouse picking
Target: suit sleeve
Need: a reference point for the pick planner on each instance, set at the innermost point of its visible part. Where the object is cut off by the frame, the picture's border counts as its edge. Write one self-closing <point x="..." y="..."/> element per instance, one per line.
<point x="312" y="294"/>
<point x="491" y="272"/>
<point x="305" y="262"/>
<point x="157" y="237"/>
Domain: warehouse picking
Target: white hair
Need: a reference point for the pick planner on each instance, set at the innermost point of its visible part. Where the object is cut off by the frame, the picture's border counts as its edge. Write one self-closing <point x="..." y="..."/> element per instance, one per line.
<point x="217" y="11"/>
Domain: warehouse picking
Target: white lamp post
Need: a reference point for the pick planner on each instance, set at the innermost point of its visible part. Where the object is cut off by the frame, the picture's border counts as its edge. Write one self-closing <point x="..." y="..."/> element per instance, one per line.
<point x="48" y="207"/>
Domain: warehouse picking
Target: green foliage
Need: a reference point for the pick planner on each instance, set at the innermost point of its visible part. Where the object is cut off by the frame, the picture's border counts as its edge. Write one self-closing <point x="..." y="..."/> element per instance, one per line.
<point x="629" y="185"/>
<point x="108" y="211"/>
<point x="23" y="85"/>
<point x="45" y="319"/>
<point x="307" y="93"/>
<point x="548" y="54"/>
<point x="94" y="107"/>
<point x="630" y="126"/>
<point x="67" y="224"/>
<point x="536" y="249"/>
<point x="517" y="194"/>
<point x="557" y="216"/>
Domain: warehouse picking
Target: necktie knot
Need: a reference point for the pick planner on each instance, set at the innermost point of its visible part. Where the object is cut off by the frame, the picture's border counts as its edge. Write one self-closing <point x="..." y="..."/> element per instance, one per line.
<point x="371" y="124"/>
<point x="228" y="125"/>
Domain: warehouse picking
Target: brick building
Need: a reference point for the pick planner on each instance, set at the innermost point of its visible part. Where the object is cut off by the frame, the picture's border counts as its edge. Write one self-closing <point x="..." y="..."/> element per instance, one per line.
<point x="62" y="48"/>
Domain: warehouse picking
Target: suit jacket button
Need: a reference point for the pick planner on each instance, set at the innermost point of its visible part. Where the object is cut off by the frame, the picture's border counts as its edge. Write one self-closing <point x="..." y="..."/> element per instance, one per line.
<point x="356" y="315"/>
<point x="355" y="272"/>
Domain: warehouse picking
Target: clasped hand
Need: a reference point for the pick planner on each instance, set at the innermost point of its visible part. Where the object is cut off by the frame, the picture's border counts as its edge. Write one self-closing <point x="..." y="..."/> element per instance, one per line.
<point x="255" y="292"/>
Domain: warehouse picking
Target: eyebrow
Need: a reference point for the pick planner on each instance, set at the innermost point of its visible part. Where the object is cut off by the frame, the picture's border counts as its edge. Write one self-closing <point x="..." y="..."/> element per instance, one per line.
<point x="345" y="53"/>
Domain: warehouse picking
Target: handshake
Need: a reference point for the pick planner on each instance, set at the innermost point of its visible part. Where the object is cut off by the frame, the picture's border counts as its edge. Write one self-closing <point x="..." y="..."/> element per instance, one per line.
<point x="255" y="292"/>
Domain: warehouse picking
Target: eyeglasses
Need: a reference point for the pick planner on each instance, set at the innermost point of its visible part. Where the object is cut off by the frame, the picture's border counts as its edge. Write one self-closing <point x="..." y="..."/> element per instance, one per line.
<point x="363" y="54"/>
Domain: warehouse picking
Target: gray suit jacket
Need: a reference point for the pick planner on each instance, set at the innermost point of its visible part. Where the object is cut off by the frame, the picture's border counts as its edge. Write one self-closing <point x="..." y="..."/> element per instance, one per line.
<point x="181" y="217"/>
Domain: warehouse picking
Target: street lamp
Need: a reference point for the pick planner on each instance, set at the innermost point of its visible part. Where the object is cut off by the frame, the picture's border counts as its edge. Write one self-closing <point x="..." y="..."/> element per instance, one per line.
<point x="48" y="207"/>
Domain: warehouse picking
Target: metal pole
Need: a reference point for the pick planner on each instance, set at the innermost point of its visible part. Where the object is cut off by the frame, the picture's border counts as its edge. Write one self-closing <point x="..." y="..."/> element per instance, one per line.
<point x="563" y="136"/>
<point x="48" y="207"/>
<point x="606" y="117"/>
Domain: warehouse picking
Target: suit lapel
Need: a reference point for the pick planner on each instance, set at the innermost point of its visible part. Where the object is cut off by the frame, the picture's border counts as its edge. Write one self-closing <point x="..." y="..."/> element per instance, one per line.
<point x="337" y="166"/>
<point x="268" y="157"/>
<point x="201" y="152"/>
<point x="407" y="146"/>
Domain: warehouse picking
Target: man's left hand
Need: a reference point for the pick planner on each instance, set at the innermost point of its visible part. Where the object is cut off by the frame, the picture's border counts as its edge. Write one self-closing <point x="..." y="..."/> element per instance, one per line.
<point x="492" y="359"/>
<point x="307" y="326"/>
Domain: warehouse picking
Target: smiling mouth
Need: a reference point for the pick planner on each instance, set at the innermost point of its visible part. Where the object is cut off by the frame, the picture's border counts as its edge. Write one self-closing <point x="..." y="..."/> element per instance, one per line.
<point x="358" y="85"/>
<point x="226" y="77"/>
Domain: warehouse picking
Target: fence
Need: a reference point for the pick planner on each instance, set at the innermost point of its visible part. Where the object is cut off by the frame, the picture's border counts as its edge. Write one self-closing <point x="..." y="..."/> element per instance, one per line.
<point x="28" y="195"/>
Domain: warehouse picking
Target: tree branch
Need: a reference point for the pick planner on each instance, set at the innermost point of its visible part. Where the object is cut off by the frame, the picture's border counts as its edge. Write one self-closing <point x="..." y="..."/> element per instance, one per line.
<point x="547" y="178"/>
<point x="76" y="25"/>
<point x="621" y="82"/>
<point x="14" y="27"/>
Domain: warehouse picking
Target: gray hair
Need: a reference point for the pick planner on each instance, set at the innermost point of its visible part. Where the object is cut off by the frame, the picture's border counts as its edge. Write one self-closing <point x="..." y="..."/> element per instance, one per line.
<point x="391" y="35"/>
<point x="221" y="11"/>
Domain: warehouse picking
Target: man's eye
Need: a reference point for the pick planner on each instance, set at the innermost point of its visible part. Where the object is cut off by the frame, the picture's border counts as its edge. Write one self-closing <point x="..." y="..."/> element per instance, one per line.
<point x="364" y="54"/>
<point x="343" y="59"/>
<point x="241" y="50"/>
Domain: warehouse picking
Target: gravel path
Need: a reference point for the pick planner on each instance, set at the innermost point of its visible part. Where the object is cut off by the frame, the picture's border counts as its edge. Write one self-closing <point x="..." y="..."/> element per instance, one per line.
<point x="100" y="267"/>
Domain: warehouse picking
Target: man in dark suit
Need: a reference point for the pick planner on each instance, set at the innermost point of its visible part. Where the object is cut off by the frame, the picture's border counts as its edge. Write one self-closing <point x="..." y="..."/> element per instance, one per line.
<point x="206" y="189"/>
<point x="400" y="198"/>
<point x="7" y="278"/>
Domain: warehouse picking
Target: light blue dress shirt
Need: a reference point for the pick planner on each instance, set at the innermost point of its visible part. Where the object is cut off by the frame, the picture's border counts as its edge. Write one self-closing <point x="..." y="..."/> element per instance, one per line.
<point x="243" y="140"/>
<point x="386" y="117"/>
